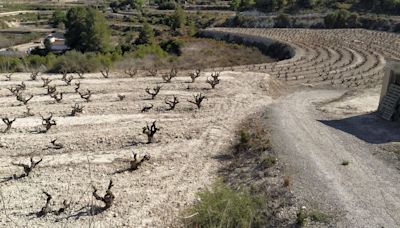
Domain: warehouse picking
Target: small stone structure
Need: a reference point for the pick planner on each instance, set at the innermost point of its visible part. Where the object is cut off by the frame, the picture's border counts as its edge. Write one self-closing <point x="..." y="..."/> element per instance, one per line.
<point x="389" y="103"/>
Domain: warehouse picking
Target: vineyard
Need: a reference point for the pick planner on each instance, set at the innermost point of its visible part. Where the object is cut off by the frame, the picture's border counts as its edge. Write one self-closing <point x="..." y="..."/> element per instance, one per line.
<point x="95" y="130"/>
<point x="350" y="58"/>
<point x="148" y="140"/>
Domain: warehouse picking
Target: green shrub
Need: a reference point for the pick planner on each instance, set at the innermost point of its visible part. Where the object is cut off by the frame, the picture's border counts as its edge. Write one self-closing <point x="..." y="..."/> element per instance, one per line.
<point x="58" y="17"/>
<point x="225" y="207"/>
<point x="153" y="49"/>
<point x="301" y="218"/>
<point x="282" y="21"/>
<point x="178" y="18"/>
<point x="234" y="4"/>
<point x="74" y="61"/>
<point x="173" y="46"/>
<point x="191" y="28"/>
<point x="319" y="216"/>
<point x="168" y="5"/>
<point x="35" y="61"/>
<point x="268" y="161"/>
<point x="146" y="35"/>
<point x="105" y="60"/>
<point x="10" y="64"/>
<point x="342" y="19"/>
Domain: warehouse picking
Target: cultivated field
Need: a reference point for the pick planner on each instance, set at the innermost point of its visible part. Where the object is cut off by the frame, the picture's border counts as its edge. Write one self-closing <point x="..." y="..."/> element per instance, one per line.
<point x="349" y="58"/>
<point x="99" y="142"/>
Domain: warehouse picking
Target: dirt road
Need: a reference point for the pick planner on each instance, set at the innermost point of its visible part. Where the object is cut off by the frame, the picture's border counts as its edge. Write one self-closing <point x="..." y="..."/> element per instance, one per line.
<point x="13" y="13"/>
<point x="364" y="193"/>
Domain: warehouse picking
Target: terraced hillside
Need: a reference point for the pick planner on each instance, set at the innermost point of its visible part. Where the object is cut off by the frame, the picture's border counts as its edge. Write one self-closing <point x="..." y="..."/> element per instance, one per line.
<point x="350" y="58"/>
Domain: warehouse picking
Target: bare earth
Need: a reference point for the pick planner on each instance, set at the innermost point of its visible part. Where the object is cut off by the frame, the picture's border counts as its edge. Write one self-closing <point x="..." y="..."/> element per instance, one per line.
<point x="100" y="142"/>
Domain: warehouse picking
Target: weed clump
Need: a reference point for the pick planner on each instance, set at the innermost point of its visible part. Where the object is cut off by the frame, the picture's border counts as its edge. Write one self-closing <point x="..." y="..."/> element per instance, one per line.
<point x="224" y="207"/>
<point x="268" y="161"/>
<point x="253" y="138"/>
<point x="319" y="216"/>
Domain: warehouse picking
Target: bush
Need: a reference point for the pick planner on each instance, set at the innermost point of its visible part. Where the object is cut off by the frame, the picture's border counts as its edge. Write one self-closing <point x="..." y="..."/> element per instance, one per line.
<point x="319" y="216"/>
<point x="59" y="17"/>
<point x="172" y="46"/>
<point x="35" y="62"/>
<point x="225" y="207"/>
<point x="169" y="5"/>
<point x="74" y="61"/>
<point x="253" y="138"/>
<point x="267" y="161"/>
<point x="282" y="21"/>
<point x="341" y="19"/>
<point x="10" y="64"/>
<point x="178" y="19"/>
<point x="146" y="35"/>
<point x="234" y="4"/>
<point x="153" y="49"/>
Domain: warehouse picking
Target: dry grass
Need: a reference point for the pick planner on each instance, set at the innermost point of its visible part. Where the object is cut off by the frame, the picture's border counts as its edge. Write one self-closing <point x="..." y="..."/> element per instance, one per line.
<point x="286" y="181"/>
<point x="252" y="164"/>
<point x="212" y="53"/>
<point x="202" y="53"/>
<point x="253" y="137"/>
<point x="224" y="207"/>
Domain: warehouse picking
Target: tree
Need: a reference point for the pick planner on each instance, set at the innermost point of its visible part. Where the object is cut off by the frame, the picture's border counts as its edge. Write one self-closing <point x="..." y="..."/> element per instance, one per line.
<point x="136" y="4"/>
<point x="191" y="28"/>
<point x="234" y="4"/>
<point x="146" y="35"/>
<point x="353" y="21"/>
<point x="96" y="36"/>
<point x="178" y="19"/>
<point x="307" y="3"/>
<point x="271" y="5"/>
<point x="75" y="25"/>
<point x="247" y="3"/>
<point x="282" y="21"/>
<point x="47" y="45"/>
<point x="341" y="19"/>
<point x="59" y="17"/>
<point x="87" y="30"/>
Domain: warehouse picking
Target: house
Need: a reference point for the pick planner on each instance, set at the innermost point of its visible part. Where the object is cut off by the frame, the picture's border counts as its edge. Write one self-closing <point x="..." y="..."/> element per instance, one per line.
<point x="55" y="42"/>
<point x="389" y="102"/>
